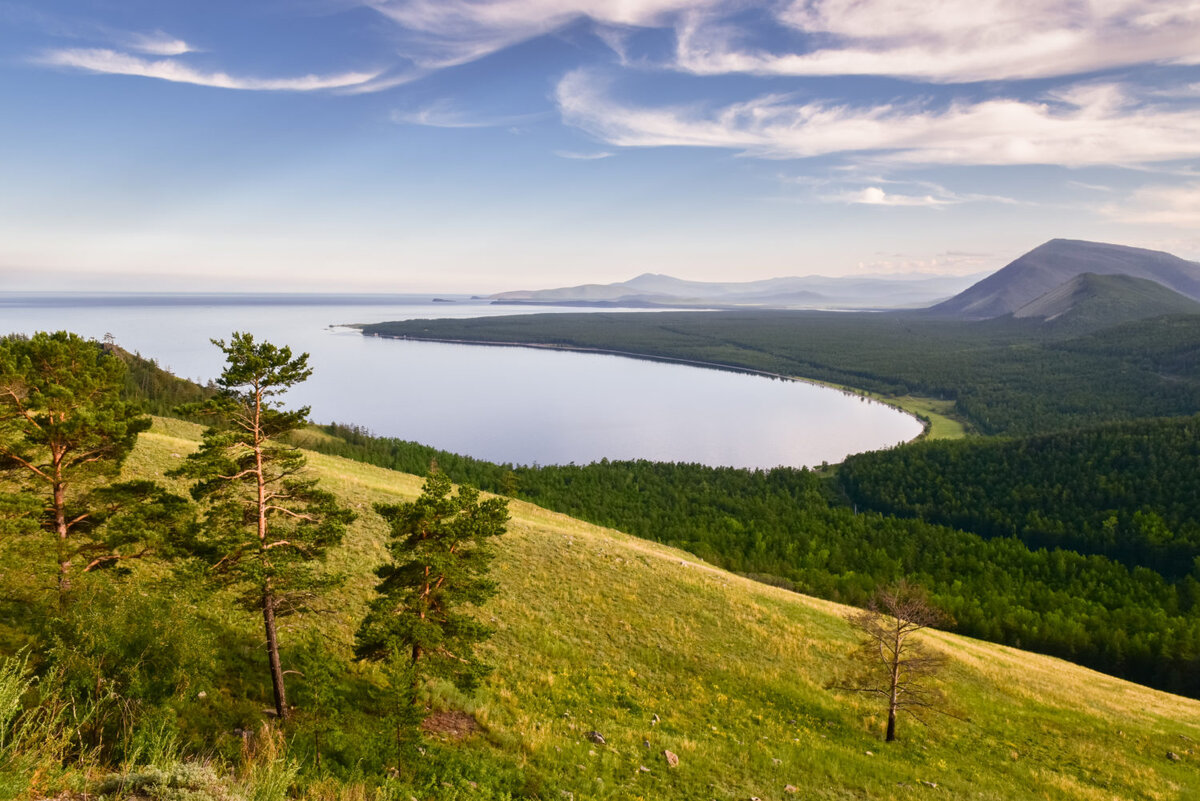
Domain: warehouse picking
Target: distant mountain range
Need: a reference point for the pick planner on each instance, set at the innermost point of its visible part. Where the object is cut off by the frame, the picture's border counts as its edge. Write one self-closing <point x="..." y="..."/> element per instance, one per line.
<point x="1067" y="278"/>
<point x="1065" y="282"/>
<point x="809" y="292"/>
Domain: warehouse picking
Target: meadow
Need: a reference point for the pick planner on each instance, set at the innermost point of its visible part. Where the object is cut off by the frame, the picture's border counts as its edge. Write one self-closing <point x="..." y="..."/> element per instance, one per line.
<point x="598" y="631"/>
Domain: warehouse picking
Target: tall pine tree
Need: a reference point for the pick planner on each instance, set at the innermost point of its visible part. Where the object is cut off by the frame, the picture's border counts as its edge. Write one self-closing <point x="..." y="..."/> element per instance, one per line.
<point x="267" y="525"/>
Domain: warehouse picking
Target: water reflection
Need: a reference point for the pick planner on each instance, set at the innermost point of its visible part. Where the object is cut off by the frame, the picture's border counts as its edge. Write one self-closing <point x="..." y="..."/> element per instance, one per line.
<point x="504" y="404"/>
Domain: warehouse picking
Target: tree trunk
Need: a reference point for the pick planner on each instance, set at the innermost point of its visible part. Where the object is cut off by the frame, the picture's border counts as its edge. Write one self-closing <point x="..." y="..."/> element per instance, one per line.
<point x="894" y="690"/>
<point x="60" y="529"/>
<point x="281" y="707"/>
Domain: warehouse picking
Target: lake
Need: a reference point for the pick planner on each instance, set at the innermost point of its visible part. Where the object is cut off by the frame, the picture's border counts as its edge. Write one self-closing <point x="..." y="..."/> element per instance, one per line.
<point x="503" y="404"/>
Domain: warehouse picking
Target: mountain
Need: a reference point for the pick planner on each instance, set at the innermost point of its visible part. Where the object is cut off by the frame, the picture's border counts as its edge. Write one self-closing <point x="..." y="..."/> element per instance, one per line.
<point x="1089" y="300"/>
<point x="808" y="292"/>
<point x="1055" y="263"/>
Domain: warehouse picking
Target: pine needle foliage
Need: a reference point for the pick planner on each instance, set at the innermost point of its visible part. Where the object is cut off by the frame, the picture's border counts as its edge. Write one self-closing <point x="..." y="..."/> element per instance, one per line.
<point x="267" y="525"/>
<point x="440" y="546"/>
<point x="64" y="433"/>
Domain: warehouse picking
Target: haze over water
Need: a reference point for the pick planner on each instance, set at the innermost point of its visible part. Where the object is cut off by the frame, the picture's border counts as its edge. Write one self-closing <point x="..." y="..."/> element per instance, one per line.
<point x="503" y="404"/>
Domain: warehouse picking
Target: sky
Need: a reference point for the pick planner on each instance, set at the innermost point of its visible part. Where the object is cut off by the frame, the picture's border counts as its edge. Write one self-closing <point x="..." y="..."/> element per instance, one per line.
<point x="471" y="146"/>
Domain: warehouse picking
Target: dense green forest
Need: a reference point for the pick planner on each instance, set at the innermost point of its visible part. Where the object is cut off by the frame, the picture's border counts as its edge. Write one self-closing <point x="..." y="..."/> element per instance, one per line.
<point x="1006" y="376"/>
<point x="787" y="526"/>
<point x="1127" y="491"/>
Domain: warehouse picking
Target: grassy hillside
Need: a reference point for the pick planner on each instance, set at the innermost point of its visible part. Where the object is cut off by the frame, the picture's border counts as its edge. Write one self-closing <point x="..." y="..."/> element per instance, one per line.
<point x="600" y="631"/>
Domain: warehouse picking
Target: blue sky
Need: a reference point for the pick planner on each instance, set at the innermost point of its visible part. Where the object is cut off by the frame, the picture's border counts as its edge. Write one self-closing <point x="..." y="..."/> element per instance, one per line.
<point x="455" y="145"/>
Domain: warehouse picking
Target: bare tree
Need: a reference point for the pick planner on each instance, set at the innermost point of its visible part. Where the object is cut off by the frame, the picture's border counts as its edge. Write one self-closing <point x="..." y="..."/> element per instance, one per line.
<point x="890" y="662"/>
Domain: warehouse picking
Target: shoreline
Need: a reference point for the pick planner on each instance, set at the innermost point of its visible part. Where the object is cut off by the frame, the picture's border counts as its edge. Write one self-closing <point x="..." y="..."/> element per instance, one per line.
<point x="926" y="424"/>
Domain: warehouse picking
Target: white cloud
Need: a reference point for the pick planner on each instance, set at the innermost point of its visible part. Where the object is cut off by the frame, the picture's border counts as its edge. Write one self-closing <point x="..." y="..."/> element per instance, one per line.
<point x="945" y="41"/>
<point x="935" y="197"/>
<point x="1092" y="125"/>
<point x="590" y="156"/>
<point x="874" y="196"/>
<point x="1176" y="205"/>
<point x="114" y="63"/>
<point x="443" y="114"/>
<point x="443" y="33"/>
<point x="158" y="44"/>
<point x="956" y="40"/>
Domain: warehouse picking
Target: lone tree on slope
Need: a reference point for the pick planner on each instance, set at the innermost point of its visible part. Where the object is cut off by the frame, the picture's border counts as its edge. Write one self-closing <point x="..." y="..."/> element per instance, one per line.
<point x="267" y="526"/>
<point x="440" y="555"/>
<point x="890" y="662"/>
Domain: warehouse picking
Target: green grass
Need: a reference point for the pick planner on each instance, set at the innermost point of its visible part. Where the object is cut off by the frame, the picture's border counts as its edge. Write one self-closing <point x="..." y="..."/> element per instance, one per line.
<point x="941" y="418"/>
<point x="597" y="630"/>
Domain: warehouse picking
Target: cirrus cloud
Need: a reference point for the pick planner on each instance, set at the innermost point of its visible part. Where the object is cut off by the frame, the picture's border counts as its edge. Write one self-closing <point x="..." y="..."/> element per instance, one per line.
<point x="952" y="40"/>
<point x="112" y="62"/>
<point x="944" y="42"/>
<point x="1082" y="125"/>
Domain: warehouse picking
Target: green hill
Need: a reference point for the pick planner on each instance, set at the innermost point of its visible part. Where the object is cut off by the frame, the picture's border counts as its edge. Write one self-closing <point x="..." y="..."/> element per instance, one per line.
<point x="1054" y="263"/>
<point x="599" y="631"/>
<point x="1090" y="302"/>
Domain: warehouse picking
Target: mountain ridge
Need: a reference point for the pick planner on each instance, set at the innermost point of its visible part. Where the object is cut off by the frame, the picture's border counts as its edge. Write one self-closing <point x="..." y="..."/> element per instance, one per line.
<point x="811" y="291"/>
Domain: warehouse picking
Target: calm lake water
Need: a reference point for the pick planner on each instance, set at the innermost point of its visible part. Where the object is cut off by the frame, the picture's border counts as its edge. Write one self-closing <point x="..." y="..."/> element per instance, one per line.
<point x="518" y="405"/>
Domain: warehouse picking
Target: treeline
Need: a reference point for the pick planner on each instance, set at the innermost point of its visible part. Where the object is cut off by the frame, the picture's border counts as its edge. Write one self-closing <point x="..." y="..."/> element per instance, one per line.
<point x="1128" y="491"/>
<point x="1015" y="377"/>
<point x="785" y="526"/>
<point x="155" y="389"/>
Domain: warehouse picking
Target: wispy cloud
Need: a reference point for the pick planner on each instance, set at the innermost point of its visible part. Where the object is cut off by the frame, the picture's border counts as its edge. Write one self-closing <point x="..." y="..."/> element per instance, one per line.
<point x="950" y="262"/>
<point x="946" y="41"/>
<point x="1175" y="205"/>
<point x="936" y="196"/>
<point x="1090" y="187"/>
<point x="115" y="63"/>
<point x="442" y="33"/>
<point x="590" y="156"/>
<point x="1092" y="124"/>
<point x="157" y="44"/>
<point x="874" y="196"/>
<point x="954" y="40"/>
<point x="443" y="114"/>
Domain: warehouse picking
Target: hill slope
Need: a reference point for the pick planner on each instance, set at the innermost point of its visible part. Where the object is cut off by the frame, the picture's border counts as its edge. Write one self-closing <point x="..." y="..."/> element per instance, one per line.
<point x="1090" y="301"/>
<point x="600" y="631"/>
<point x="1058" y="261"/>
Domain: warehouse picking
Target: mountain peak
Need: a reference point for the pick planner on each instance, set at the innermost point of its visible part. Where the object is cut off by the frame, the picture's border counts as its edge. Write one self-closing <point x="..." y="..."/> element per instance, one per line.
<point x="1056" y="262"/>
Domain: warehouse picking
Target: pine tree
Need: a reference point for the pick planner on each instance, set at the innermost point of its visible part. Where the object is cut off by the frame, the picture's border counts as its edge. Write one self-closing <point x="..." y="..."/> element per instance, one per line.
<point x="440" y="555"/>
<point x="267" y="525"/>
<point x="64" y="433"/>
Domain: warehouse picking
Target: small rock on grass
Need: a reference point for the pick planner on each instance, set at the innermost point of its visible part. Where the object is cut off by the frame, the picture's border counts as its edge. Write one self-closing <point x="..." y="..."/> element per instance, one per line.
<point x="672" y="759"/>
<point x="596" y="737"/>
<point x="791" y="788"/>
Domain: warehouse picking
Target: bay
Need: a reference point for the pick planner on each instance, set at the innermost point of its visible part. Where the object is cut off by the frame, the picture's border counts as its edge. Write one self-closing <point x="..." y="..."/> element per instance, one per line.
<point x="503" y="404"/>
